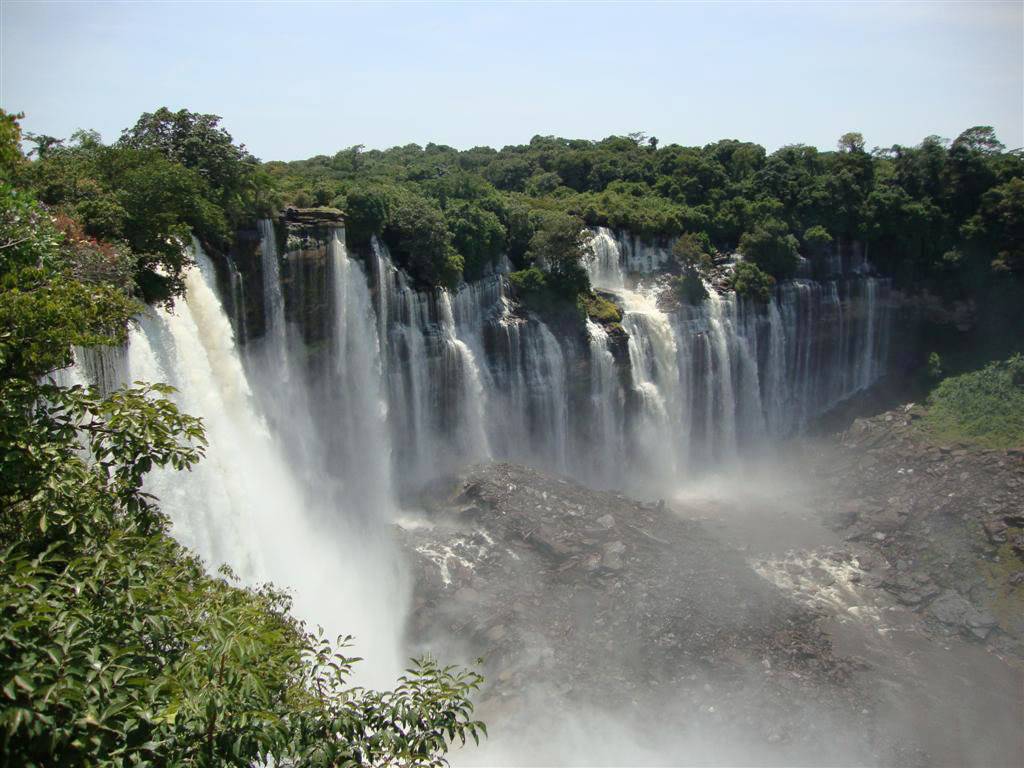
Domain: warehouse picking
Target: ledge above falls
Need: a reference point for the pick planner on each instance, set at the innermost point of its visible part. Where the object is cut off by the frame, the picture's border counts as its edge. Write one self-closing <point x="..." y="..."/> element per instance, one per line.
<point x="303" y="228"/>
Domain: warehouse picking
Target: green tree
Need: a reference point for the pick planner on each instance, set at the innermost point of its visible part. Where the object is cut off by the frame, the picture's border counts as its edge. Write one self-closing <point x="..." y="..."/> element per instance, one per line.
<point x="559" y="246"/>
<point x="817" y="238"/>
<point x="997" y="229"/>
<point x="692" y="251"/>
<point x="771" y="248"/>
<point x="10" y="139"/>
<point x="116" y="646"/>
<point x="195" y="141"/>
<point x="418" y="236"/>
<point x="477" y="234"/>
<point x="749" y="280"/>
<point x="851" y="142"/>
<point x="367" y="209"/>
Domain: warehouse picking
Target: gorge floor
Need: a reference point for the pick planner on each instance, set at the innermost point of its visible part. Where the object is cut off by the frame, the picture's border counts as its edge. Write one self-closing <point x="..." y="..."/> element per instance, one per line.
<point x="739" y="623"/>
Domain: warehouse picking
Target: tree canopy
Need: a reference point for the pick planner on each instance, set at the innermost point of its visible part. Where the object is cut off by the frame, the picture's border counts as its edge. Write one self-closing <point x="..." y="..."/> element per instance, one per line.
<point x="117" y="645"/>
<point x="912" y="206"/>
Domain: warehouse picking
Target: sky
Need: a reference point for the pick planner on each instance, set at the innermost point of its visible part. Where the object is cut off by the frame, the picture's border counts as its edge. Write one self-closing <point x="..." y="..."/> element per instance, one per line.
<point x="293" y="80"/>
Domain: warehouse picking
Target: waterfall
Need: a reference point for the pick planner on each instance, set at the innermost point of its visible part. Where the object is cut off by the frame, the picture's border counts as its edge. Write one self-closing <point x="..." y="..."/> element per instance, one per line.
<point x="528" y="402"/>
<point x="249" y="503"/>
<point x="357" y="440"/>
<point x="606" y="441"/>
<point x="275" y="338"/>
<point x="654" y="366"/>
<point x="722" y="418"/>
<point x="711" y="381"/>
<point x="550" y="393"/>
<point x="364" y="384"/>
<point x="461" y="368"/>
<point x="104" y="367"/>
<point x="605" y="264"/>
<point x="433" y="378"/>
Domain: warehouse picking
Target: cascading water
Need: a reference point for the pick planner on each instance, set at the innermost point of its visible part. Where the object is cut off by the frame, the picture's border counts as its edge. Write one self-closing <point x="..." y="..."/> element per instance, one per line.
<point x="363" y="385"/>
<point x="607" y="402"/>
<point x="740" y="371"/>
<point x="469" y="375"/>
<point x="351" y="396"/>
<point x="249" y="503"/>
<point x="605" y="265"/>
<point x="433" y="378"/>
<point x="654" y="366"/>
<point x="275" y="339"/>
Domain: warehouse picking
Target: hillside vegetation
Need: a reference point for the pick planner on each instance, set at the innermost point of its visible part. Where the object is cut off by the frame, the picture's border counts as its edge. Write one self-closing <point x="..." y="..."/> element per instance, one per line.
<point x="983" y="407"/>
<point x="117" y="645"/>
<point x="943" y="215"/>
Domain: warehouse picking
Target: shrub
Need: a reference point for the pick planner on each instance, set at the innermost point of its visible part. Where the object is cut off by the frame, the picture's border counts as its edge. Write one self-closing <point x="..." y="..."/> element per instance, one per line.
<point x="600" y="309"/>
<point x="817" y="238"/>
<point x="689" y="288"/>
<point x="477" y="234"/>
<point x="419" y="239"/>
<point x="529" y="280"/>
<point x="692" y="250"/>
<point x="751" y="281"/>
<point x="771" y="247"/>
<point x="984" y="407"/>
<point x="559" y="245"/>
<point x="366" y="212"/>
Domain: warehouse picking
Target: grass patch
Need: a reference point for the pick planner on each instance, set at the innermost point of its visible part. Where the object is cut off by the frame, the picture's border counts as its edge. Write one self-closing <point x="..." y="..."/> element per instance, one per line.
<point x="599" y="309"/>
<point x="983" y="407"/>
<point x="1007" y="603"/>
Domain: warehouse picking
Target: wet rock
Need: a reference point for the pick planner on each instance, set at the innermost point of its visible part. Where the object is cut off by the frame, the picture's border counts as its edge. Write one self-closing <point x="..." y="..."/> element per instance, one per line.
<point x="1017" y="543"/>
<point x="956" y="519"/>
<point x="544" y="539"/>
<point x="995" y="530"/>
<point x="909" y="590"/>
<point x="614" y="585"/>
<point x="611" y="557"/>
<point x="954" y="610"/>
<point x="887" y="521"/>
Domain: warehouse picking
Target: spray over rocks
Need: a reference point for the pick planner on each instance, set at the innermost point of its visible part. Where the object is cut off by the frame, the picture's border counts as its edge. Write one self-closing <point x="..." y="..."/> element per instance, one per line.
<point x="599" y="603"/>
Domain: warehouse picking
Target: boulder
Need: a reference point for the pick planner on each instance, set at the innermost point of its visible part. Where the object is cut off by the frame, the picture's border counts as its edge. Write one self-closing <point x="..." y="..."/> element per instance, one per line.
<point x="954" y="610"/>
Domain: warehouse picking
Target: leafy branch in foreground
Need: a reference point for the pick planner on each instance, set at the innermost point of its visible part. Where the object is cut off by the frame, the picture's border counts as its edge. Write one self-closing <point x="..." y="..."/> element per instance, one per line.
<point x="117" y="648"/>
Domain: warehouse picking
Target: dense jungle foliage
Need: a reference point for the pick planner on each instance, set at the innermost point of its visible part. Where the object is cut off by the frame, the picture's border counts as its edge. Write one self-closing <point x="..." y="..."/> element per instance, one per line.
<point x="944" y="214"/>
<point x="117" y="646"/>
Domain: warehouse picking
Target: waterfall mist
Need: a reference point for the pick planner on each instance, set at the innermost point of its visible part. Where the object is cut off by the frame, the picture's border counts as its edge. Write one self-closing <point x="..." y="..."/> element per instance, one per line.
<point x="278" y="496"/>
<point x="359" y="389"/>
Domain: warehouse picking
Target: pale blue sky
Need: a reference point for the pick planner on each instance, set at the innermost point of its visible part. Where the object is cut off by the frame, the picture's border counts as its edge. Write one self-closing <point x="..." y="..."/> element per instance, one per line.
<point x="296" y="79"/>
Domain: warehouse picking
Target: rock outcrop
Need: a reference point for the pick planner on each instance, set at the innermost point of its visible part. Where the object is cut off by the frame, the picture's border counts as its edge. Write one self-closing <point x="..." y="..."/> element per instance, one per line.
<point x="945" y="520"/>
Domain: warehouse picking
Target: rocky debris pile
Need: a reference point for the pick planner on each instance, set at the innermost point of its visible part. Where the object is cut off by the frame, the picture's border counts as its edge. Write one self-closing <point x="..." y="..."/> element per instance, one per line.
<point x="946" y="522"/>
<point x="596" y="597"/>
